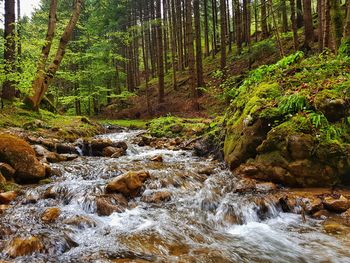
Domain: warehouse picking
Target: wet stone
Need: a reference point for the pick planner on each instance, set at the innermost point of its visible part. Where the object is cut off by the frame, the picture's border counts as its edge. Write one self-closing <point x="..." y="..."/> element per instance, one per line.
<point x="50" y="215"/>
<point x="24" y="246"/>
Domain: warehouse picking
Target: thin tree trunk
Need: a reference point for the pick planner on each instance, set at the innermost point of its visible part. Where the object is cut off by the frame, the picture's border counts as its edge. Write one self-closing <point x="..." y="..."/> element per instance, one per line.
<point x="19" y="33"/>
<point x="300" y="19"/>
<point x="278" y="38"/>
<point x="206" y="29"/>
<point x="160" y="52"/>
<point x="238" y="27"/>
<point x="197" y="25"/>
<point x="320" y="24"/>
<point x="326" y="24"/>
<point x="294" y="25"/>
<point x="214" y="16"/>
<point x="223" y="33"/>
<point x="190" y="50"/>
<point x="284" y="16"/>
<point x="41" y="83"/>
<point x="264" y="29"/>
<point x="8" y="88"/>
<point x="172" y="22"/>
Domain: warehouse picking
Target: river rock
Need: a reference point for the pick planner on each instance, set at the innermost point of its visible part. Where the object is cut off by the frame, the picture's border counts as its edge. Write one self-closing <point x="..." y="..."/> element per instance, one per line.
<point x="128" y="184"/>
<point x="63" y="148"/>
<point x="157" y="158"/>
<point x="322" y="214"/>
<point x="7" y="171"/>
<point x="50" y="214"/>
<point x="113" y="152"/>
<point x="207" y="170"/>
<point x="108" y="204"/>
<point x="23" y="246"/>
<point x="21" y="156"/>
<point x="7" y="197"/>
<point x="339" y="205"/>
<point x="157" y="197"/>
<point x="80" y="221"/>
<point x="3" y="208"/>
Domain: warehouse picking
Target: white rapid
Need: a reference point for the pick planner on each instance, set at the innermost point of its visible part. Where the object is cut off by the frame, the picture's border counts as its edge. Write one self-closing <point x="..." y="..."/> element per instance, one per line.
<point x="205" y="220"/>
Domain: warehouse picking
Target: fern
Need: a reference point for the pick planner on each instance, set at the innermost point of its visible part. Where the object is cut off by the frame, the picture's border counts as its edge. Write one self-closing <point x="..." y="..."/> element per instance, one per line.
<point x="293" y="104"/>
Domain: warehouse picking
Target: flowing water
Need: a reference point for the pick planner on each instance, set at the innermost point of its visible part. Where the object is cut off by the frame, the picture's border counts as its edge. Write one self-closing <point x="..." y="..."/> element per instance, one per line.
<point x="205" y="220"/>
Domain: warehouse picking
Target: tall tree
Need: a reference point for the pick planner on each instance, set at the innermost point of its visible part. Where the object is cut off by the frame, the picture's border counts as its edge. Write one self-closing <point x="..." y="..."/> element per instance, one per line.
<point x="294" y="25"/>
<point x="264" y="29"/>
<point x="44" y="77"/>
<point x="346" y="34"/>
<point x="206" y="28"/>
<point x="190" y="51"/>
<point x="8" y="89"/>
<point x="308" y="25"/>
<point x="223" y="33"/>
<point x="197" y="25"/>
<point x="160" y="52"/>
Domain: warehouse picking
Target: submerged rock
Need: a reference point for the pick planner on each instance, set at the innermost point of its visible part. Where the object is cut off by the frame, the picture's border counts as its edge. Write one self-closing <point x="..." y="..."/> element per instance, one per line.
<point x="157" y="197"/>
<point x="80" y="221"/>
<point x="108" y="204"/>
<point x="24" y="246"/>
<point x="21" y="156"/>
<point x="50" y="214"/>
<point x="128" y="184"/>
<point x="157" y="158"/>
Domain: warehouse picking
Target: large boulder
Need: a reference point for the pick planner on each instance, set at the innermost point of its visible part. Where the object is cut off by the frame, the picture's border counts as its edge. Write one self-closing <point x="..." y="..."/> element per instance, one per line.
<point x="21" y="156"/>
<point x="128" y="184"/>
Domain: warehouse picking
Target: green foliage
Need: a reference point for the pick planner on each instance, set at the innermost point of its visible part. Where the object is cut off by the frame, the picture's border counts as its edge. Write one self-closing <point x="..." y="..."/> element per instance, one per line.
<point x="172" y="126"/>
<point x="293" y="104"/>
<point x="131" y="124"/>
<point x="318" y="120"/>
<point x="344" y="49"/>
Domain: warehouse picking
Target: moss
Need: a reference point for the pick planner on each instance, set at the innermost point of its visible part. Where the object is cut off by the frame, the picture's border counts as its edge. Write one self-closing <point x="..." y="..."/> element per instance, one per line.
<point x="172" y="126"/>
<point x="131" y="124"/>
<point x="8" y="186"/>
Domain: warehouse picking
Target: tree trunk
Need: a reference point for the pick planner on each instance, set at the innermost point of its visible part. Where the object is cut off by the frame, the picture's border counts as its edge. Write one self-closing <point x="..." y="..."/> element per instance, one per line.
<point x="337" y="23"/>
<point x="223" y="33"/>
<point x="206" y="29"/>
<point x="214" y="16"/>
<point x="190" y="50"/>
<point x="345" y="47"/>
<point x="320" y="24"/>
<point x="326" y="23"/>
<point x="264" y="30"/>
<point x="300" y="19"/>
<point x="294" y="25"/>
<point x="19" y="33"/>
<point x="238" y="18"/>
<point x="197" y="25"/>
<point x="8" y="89"/>
<point x="42" y="81"/>
<point x="284" y="16"/>
<point x="160" y="52"/>
<point x="308" y="26"/>
<point x="277" y="33"/>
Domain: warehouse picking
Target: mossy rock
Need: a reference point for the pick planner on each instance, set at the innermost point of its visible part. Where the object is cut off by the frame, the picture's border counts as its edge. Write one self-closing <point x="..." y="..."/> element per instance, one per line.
<point x="332" y="105"/>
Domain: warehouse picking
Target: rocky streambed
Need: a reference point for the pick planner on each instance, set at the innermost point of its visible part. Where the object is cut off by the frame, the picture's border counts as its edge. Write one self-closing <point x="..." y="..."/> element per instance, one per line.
<point x="155" y="201"/>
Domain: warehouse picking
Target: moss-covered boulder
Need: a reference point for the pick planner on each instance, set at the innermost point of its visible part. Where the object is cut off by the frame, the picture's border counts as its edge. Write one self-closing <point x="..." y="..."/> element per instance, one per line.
<point x="21" y="156"/>
<point x="290" y="123"/>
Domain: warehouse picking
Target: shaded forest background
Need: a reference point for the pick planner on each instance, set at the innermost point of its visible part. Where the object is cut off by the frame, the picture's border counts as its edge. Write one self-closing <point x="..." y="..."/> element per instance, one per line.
<point x="133" y="58"/>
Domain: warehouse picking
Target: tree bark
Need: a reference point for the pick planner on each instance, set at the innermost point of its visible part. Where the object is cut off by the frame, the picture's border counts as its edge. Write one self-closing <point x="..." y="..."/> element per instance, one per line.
<point x="326" y="24"/>
<point x="223" y="33"/>
<point x="197" y="25"/>
<point x="308" y="26"/>
<point x="300" y="19"/>
<point x="191" y="59"/>
<point x="206" y="29"/>
<point x="8" y="89"/>
<point x="320" y="24"/>
<point x="294" y="25"/>
<point x="160" y="52"/>
<point x="284" y="16"/>
<point x="41" y="83"/>
<point x="264" y="29"/>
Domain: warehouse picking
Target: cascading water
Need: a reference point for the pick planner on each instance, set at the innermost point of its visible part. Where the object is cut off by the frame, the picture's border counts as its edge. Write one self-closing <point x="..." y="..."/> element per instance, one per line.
<point x="204" y="221"/>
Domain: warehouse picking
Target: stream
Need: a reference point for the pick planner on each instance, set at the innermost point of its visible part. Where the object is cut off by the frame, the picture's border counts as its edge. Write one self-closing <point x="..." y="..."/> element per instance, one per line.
<point x="205" y="220"/>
